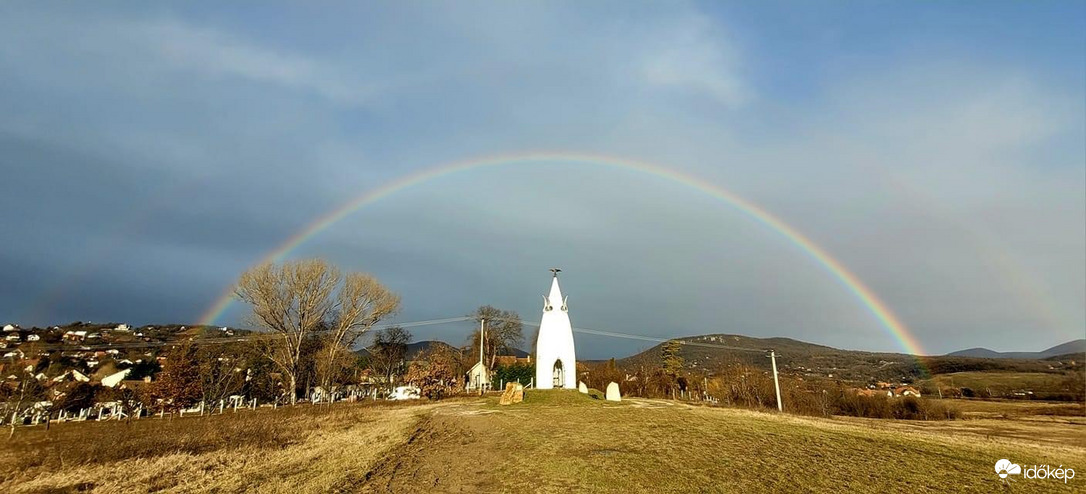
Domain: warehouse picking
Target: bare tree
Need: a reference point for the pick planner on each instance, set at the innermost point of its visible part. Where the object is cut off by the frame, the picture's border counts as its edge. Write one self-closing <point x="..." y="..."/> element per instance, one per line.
<point x="504" y="331"/>
<point x="361" y="303"/>
<point x="388" y="351"/>
<point x="300" y="299"/>
<point x="292" y="300"/>
<point x="24" y="381"/>
<point x="222" y="371"/>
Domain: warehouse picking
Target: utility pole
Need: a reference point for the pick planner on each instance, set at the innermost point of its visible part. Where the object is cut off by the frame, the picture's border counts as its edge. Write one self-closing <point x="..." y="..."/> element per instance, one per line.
<point x="482" y="365"/>
<point x="776" y="383"/>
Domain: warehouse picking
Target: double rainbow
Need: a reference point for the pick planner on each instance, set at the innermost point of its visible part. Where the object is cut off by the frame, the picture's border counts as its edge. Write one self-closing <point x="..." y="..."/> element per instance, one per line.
<point x="866" y="296"/>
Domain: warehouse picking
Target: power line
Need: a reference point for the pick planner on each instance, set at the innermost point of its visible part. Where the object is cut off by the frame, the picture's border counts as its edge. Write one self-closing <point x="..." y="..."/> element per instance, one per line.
<point x="410" y="324"/>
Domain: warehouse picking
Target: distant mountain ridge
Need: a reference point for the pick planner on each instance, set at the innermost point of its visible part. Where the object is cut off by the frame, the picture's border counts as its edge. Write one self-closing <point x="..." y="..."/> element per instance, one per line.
<point x="1069" y="348"/>
<point x="713" y="351"/>
<point x="418" y="347"/>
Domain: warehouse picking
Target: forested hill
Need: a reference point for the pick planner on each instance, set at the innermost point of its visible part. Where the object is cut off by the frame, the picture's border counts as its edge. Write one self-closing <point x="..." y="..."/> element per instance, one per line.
<point x="714" y="351"/>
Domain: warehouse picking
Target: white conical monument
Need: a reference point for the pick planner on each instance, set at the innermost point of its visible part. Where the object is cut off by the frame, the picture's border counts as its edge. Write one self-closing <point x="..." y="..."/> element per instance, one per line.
<point x="555" y="359"/>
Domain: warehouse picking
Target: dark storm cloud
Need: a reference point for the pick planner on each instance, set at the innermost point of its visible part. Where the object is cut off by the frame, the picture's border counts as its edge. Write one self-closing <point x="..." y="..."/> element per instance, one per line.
<point x="150" y="154"/>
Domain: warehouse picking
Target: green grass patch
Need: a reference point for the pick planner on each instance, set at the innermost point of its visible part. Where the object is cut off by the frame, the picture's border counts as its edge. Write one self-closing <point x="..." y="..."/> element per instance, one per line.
<point x="534" y="398"/>
<point x="675" y="448"/>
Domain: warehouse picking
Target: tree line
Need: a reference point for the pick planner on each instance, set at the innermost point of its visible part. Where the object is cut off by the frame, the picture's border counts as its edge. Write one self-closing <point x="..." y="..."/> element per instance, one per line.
<point x="317" y="315"/>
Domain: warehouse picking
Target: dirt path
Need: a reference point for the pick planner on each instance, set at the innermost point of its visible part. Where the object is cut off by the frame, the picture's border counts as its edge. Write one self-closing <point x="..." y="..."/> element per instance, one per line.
<point x="449" y="451"/>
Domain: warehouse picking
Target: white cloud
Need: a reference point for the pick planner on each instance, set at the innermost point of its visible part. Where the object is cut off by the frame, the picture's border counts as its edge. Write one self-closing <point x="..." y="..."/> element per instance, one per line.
<point x="268" y="118"/>
<point x="217" y="54"/>
<point x="694" y="55"/>
<point x="131" y="52"/>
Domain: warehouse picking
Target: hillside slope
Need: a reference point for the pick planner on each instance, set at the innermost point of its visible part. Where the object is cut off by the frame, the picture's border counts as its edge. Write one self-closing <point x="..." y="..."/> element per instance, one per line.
<point x="712" y="352"/>
<point x="642" y="445"/>
<point x="474" y="445"/>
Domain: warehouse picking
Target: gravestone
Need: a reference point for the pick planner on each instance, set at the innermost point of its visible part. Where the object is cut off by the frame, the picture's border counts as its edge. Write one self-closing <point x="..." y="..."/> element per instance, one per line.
<point x="582" y="388"/>
<point x="514" y="393"/>
<point x="612" y="392"/>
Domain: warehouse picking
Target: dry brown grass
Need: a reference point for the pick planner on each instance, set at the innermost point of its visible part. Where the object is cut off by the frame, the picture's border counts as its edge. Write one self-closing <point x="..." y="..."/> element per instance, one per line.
<point x="299" y="449"/>
<point x="564" y="442"/>
<point x="1017" y="408"/>
<point x="556" y="441"/>
<point x="1063" y="386"/>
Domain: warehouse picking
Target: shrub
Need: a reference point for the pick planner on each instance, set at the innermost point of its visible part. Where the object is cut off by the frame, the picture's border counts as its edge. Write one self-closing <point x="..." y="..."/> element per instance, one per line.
<point x="884" y="407"/>
<point x="513" y="372"/>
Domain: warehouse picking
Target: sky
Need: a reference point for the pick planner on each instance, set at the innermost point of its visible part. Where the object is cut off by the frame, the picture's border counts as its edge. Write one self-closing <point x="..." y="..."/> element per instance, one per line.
<point x="152" y="152"/>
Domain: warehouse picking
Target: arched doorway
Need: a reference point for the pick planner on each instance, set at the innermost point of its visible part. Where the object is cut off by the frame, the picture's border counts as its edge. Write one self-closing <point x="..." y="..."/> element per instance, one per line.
<point x="558" y="374"/>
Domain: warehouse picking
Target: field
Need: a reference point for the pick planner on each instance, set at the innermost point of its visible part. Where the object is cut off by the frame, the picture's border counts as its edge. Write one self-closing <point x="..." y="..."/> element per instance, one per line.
<point x="557" y="441"/>
<point x="1020" y="409"/>
<point x="1007" y="383"/>
<point x="302" y="449"/>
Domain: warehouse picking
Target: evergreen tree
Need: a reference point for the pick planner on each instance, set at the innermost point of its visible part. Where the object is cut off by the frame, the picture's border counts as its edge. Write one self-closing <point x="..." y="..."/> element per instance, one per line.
<point x="672" y="358"/>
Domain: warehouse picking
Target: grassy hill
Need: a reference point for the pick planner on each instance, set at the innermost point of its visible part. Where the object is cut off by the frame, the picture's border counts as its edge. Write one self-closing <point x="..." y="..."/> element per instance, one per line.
<point x="556" y="441"/>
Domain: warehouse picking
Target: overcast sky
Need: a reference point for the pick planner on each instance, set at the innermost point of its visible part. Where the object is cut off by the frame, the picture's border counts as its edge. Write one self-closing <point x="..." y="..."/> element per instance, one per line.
<point x="151" y="152"/>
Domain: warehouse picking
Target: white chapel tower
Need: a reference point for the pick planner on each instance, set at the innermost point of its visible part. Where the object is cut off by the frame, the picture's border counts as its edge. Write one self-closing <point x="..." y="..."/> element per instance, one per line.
<point x="555" y="359"/>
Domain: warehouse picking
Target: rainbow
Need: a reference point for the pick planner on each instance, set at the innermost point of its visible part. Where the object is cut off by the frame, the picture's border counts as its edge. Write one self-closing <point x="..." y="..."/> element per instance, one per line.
<point x="866" y="296"/>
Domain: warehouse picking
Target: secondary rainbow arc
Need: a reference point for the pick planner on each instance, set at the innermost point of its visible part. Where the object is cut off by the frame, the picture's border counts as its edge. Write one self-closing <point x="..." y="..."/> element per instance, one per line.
<point x="887" y="319"/>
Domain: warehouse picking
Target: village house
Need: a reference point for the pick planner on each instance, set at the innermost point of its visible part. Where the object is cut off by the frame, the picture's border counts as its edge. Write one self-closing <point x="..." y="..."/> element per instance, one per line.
<point x="478" y="376"/>
<point x="16" y="354"/>
<point x="114" y="379"/>
<point x="906" y="391"/>
<point x="74" y="336"/>
<point x="74" y="374"/>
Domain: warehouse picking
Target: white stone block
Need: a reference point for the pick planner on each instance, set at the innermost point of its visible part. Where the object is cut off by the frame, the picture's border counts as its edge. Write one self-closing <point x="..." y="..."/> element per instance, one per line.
<point x="613" y="393"/>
